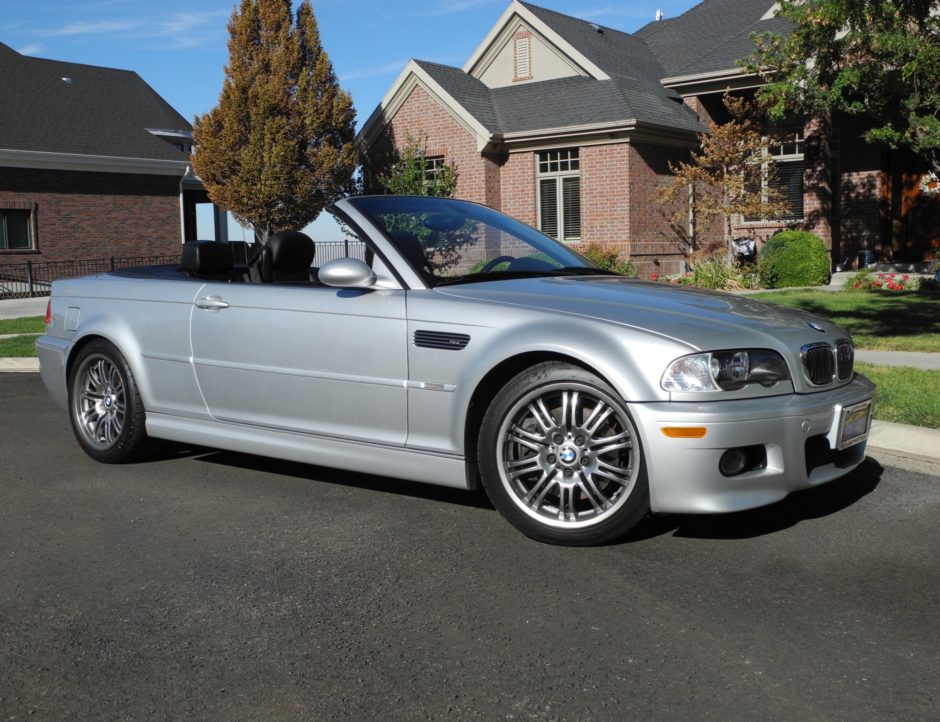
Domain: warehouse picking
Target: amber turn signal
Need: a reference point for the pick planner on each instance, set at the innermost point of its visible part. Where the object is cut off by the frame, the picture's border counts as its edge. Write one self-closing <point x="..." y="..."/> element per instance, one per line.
<point x="685" y="432"/>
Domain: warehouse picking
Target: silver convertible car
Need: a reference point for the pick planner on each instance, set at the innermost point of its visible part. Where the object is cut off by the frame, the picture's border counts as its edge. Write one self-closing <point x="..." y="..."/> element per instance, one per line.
<point x="456" y="346"/>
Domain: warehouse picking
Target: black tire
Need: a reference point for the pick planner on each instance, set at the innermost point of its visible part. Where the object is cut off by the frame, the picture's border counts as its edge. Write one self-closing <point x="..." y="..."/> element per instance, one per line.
<point x="560" y="457"/>
<point x="105" y="409"/>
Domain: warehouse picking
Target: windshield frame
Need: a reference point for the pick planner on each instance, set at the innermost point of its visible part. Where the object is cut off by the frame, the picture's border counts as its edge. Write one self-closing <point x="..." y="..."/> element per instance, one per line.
<point x="373" y="207"/>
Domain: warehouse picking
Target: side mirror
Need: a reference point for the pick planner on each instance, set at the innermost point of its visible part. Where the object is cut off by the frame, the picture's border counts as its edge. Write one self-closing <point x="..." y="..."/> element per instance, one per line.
<point x="346" y="273"/>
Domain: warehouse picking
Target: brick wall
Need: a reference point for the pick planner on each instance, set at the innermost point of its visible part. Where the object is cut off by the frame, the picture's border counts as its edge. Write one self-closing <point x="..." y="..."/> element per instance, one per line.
<point x="605" y="202"/>
<point x="656" y="245"/>
<point x="94" y="215"/>
<point x="517" y="178"/>
<point x="427" y="120"/>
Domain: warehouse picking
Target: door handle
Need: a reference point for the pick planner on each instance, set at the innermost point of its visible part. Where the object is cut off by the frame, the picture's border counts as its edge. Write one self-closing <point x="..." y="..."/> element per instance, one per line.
<point x="211" y="302"/>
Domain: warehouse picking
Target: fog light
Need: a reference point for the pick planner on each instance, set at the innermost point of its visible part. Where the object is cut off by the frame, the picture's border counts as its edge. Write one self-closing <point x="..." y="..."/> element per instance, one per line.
<point x="743" y="458"/>
<point x="732" y="462"/>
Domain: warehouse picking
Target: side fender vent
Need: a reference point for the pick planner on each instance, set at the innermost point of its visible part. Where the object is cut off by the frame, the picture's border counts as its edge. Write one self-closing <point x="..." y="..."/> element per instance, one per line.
<point x="441" y="340"/>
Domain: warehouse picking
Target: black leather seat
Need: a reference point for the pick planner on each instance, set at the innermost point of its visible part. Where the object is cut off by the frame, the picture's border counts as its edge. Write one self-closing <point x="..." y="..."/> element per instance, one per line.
<point x="287" y="257"/>
<point x="210" y="260"/>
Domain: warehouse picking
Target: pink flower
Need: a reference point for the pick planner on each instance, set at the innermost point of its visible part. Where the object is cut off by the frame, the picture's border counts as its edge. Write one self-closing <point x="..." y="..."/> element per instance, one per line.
<point x="654" y="276"/>
<point x="906" y="277"/>
<point x="892" y="275"/>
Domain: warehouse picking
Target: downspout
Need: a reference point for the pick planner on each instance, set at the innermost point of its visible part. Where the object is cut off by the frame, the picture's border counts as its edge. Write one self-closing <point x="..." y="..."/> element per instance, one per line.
<point x="182" y="206"/>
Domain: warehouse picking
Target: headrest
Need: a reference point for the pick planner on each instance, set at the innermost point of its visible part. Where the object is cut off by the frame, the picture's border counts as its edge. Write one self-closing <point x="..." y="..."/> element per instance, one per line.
<point x="207" y="257"/>
<point x="290" y="251"/>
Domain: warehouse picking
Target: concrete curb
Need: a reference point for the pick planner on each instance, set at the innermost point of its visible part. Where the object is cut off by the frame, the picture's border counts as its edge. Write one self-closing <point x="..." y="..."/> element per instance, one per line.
<point x="19" y="365"/>
<point x="913" y="441"/>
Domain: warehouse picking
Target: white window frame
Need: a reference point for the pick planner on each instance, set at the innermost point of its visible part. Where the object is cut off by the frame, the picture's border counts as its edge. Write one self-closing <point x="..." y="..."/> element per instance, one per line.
<point x="796" y="137"/>
<point x="566" y="157"/>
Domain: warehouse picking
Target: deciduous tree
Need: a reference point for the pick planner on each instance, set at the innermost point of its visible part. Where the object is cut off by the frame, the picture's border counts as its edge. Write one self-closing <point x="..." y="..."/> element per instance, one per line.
<point x="411" y="173"/>
<point x="878" y="58"/>
<point x="732" y="173"/>
<point x="278" y="147"/>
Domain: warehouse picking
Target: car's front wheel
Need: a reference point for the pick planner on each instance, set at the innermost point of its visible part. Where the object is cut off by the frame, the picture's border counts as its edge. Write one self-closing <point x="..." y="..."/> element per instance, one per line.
<point x="560" y="457"/>
<point x="105" y="408"/>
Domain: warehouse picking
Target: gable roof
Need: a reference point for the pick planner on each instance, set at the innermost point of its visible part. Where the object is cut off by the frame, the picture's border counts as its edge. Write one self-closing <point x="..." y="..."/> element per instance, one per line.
<point x="55" y="107"/>
<point x="710" y="36"/>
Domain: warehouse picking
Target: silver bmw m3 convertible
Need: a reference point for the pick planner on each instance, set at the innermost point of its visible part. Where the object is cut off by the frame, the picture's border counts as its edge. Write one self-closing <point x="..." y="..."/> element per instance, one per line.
<point x="453" y="345"/>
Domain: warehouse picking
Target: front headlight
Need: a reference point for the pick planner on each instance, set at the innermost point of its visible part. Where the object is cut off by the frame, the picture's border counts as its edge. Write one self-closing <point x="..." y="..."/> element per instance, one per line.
<point x="725" y="370"/>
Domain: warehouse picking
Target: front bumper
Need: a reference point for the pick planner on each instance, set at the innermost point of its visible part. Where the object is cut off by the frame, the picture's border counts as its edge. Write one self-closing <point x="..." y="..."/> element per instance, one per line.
<point x="684" y="475"/>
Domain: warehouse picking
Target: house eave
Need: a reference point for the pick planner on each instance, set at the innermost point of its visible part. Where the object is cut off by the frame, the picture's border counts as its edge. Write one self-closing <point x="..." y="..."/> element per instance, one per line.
<point x="13" y="158"/>
<point x="516" y="8"/>
<point x="621" y="131"/>
<point x="714" y="81"/>
<point x="412" y="76"/>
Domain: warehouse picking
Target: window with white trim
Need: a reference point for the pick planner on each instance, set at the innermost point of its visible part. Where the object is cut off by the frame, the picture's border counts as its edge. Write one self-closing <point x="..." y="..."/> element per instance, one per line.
<point x="15" y="233"/>
<point x="433" y="167"/>
<point x="558" y="179"/>
<point x="787" y="153"/>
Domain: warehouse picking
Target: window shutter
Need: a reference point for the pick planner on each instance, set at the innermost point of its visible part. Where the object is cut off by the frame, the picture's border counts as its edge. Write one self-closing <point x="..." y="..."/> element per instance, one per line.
<point x="790" y="180"/>
<point x="523" y="58"/>
<point x="548" y="200"/>
<point x="571" y="198"/>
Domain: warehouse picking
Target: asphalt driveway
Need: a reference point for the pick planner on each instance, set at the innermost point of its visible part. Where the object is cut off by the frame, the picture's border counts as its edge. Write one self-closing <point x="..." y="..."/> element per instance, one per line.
<point x="207" y="585"/>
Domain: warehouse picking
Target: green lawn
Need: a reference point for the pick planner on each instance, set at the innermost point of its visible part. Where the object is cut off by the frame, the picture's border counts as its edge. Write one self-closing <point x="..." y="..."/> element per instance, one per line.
<point x="906" y="396"/>
<point x="877" y="320"/>
<point x="33" y="324"/>
<point x="18" y="346"/>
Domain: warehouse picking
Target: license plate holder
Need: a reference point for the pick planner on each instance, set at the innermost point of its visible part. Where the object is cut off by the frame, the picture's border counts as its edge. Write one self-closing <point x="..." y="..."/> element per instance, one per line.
<point x="854" y="424"/>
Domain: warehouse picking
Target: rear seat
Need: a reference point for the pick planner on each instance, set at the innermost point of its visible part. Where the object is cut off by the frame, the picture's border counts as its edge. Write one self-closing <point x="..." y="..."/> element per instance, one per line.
<point x="209" y="260"/>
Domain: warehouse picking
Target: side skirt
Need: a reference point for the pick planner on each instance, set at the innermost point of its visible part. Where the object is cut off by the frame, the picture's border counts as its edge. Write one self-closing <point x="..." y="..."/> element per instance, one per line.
<point x="351" y="456"/>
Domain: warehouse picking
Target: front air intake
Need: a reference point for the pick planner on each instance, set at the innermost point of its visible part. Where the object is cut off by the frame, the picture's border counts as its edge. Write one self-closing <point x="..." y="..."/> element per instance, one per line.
<point x="845" y="359"/>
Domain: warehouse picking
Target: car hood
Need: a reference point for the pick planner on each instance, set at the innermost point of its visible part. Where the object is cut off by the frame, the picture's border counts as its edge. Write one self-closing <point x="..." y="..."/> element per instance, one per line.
<point x="701" y="319"/>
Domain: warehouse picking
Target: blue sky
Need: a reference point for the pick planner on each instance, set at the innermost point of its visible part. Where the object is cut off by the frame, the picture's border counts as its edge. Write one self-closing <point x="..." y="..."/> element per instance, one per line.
<point x="179" y="46"/>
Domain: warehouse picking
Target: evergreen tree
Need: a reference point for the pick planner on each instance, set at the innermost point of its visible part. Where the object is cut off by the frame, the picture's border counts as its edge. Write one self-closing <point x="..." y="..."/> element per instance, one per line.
<point x="278" y="147"/>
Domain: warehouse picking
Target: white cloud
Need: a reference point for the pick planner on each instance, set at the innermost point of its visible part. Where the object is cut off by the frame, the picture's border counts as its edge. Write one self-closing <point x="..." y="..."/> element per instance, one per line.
<point x="373" y="71"/>
<point x="182" y="29"/>
<point x="449" y="7"/>
<point x="30" y="49"/>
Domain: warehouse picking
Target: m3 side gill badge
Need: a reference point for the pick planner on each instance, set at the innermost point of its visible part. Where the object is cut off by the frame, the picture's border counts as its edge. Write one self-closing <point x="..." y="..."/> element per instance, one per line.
<point x="815" y="326"/>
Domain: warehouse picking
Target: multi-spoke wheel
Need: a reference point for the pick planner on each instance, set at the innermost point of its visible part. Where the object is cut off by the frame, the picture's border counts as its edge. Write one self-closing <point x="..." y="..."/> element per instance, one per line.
<point x="105" y="408"/>
<point x="561" y="459"/>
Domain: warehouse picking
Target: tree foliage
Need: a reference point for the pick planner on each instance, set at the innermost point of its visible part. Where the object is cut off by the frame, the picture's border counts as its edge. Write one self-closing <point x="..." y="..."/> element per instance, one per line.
<point x="410" y="173"/>
<point x="278" y="147"/>
<point x="732" y="173"/>
<point x="879" y="58"/>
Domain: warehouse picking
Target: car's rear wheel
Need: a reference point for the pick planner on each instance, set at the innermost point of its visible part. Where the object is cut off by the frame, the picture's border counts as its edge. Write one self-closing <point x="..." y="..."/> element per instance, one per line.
<point x="105" y="409"/>
<point x="560" y="457"/>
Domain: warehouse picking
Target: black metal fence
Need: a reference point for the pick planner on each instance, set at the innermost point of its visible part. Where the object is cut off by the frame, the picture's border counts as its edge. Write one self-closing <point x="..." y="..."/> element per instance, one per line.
<point x="26" y="279"/>
<point x="19" y="279"/>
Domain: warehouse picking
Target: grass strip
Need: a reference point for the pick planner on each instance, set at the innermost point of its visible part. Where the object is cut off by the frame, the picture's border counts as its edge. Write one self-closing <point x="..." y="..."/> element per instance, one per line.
<point x="877" y="320"/>
<point x="33" y="324"/>
<point x="905" y="395"/>
<point x="18" y="347"/>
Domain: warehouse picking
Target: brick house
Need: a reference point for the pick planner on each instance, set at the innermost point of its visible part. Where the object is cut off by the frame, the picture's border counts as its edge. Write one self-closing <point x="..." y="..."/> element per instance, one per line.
<point x="93" y="163"/>
<point x="570" y="127"/>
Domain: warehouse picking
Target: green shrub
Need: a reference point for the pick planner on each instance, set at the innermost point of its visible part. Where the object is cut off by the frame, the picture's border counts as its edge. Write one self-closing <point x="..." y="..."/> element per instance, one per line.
<point x="714" y="272"/>
<point x="609" y="259"/>
<point x="794" y="258"/>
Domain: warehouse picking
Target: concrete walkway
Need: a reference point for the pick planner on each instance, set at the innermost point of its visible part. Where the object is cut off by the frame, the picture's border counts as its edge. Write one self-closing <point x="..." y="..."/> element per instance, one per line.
<point x="23" y="307"/>
<point x="913" y="359"/>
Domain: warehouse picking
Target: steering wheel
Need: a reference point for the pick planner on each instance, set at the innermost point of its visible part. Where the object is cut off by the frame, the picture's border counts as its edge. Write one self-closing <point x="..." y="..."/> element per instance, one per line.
<point x="490" y="265"/>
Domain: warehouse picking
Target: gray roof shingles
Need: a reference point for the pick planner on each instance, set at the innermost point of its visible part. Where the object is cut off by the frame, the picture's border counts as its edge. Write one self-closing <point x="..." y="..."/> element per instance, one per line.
<point x="712" y="35"/>
<point x="102" y="111"/>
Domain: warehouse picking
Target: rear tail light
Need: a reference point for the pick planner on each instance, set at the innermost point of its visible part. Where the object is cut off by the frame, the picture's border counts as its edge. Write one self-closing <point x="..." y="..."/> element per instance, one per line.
<point x="49" y="312"/>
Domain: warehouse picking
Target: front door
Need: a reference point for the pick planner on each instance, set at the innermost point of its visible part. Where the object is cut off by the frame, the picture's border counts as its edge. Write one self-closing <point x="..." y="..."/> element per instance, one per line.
<point x="325" y="361"/>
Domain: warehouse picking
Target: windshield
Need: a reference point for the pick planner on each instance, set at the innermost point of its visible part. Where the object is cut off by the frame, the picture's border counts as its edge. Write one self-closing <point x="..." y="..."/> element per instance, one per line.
<point x="449" y="241"/>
